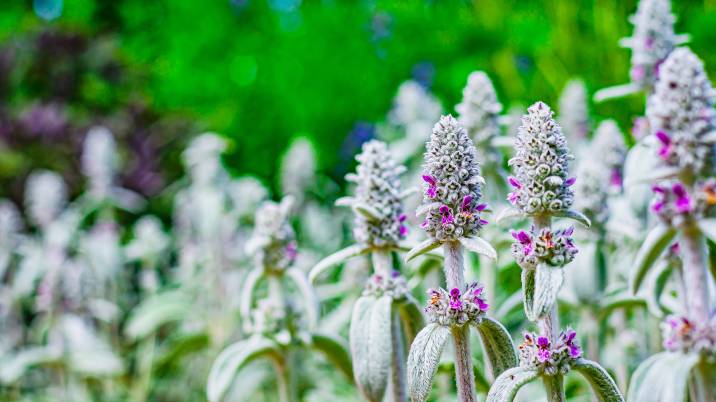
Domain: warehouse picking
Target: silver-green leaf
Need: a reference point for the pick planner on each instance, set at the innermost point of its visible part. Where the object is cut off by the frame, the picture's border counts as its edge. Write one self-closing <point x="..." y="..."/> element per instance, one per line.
<point x="156" y="311"/>
<point x="575" y="215"/>
<point x="602" y="384"/>
<point x="479" y="245"/>
<point x="497" y="346"/>
<point x="540" y="287"/>
<point x="506" y="386"/>
<point x="423" y="360"/>
<point x="231" y="360"/>
<point x="708" y="227"/>
<point x="658" y="239"/>
<point x="335" y="351"/>
<point x="663" y="377"/>
<point x="422" y="248"/>
<point x="335" y="259"/>
<point x="509" y="213"/>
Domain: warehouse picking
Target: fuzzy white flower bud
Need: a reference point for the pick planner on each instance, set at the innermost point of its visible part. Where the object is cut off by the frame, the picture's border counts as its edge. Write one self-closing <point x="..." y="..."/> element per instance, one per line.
<point x="479" y="109"/>
<point x="413" y="103"/>
<point x="541" y="183"/>
<point x="574" y="111"/>
<point x="378" y="186"/>
<point x="599" y="177"/>
<point x="202" y="158"/>
<point x="99" y="160"/>
<point x="298" y="168"/>
<point x="681" y="112"/>
<point x="452" y="183"/>
<point x="45" y="197"/>
<point x="273" y="243"/>
<point x="652" y="40"/>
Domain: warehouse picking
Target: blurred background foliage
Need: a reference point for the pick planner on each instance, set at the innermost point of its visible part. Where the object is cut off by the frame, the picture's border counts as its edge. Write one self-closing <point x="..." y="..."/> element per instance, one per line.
<point x="261" y="72"/>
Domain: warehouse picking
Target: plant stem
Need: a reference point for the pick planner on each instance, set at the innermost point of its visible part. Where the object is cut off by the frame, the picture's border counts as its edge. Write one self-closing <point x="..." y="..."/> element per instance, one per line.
<point x="383" y="265"/>
<point x="548" y="325"/>
<point x="695" y="275"/>
<point x="455" y="278"/>
<point x="554" y="386"/>
<point x="286" y="378"/>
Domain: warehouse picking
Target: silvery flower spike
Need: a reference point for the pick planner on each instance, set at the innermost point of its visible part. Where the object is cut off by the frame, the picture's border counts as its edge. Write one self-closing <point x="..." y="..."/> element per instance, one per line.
<point x="385" y="313"/>
<point x="281" y="322"/>
<point x="453" y="219"/>
<point x="651" y="42"/>
<point x="542" y="190"/>
<point x="683" y="121"/>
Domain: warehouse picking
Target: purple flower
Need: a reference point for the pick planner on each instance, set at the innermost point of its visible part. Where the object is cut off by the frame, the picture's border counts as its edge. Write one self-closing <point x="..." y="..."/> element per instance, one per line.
<point x="513" y="197"/>
<point x="291" y="251"/>
<point x="402" y="230"/>
<point x="543" y="353"/>
<point x="665" y="140"/>
<point x="637" y="73"/>
<point x="466" y="205"/>
<point x="683" y="201"/>
<point x="480" y="207"/>
<point x="570" y="181"/>
<point x="432" y="186"/>
<point x="447" y="217"/>
<point x="525" y="240"/>
<point x="616" y="178"/>
<point x="569" y="340"/>
<point x="514" y="182"/>
<point x="455" y="293"/>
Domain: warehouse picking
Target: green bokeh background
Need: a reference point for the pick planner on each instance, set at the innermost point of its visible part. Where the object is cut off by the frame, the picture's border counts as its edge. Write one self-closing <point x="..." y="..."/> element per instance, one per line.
<point x="261" y="72"/>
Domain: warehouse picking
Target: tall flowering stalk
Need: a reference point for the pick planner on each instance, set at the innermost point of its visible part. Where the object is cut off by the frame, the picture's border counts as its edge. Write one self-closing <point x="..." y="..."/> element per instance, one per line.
<point x="683" y="123"/>
<point x="453" y="219"/>
<point x="543" y="189"/>
<point x="651" y="42"/>
<point x="386" y="315"/>
<point x="281" y="322"/>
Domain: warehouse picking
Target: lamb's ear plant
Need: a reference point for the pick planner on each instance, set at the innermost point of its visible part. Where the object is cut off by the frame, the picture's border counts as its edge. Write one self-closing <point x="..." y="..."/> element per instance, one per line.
<point x="543" y="191"/>
<point x="651" y="42"/>
<point x="277" y="325"/>
<point x="386" y="315"/>
<point x="453" y="219"/>
<point x="683" y="121"/>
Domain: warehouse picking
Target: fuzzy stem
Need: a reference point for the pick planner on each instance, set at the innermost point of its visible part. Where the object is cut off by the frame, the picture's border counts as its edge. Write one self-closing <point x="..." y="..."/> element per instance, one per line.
<point x="695" y="273"/>
<point x="455" y="278"/>
<point x="383" y="264"/>
<point x="554" y="386"/>
<point x="548" y="325"/>
<point x="398" y="383"/>
<point x="286" y="379"/>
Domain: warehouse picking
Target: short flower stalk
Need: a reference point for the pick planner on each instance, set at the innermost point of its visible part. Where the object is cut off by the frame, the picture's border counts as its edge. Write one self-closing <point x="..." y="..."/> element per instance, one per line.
<point x="543" y="190"/>
<point x="386" y="316"/>
<point x="452" y="220"/>
<point x="283" y="321"/>
<point x="683" y="124"/>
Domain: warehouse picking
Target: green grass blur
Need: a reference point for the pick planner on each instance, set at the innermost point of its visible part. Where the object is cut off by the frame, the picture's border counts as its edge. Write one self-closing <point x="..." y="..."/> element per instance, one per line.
<point x="263" y="71"/>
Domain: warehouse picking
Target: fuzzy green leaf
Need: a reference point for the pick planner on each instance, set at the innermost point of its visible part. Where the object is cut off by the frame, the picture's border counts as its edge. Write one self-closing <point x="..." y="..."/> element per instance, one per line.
<point x="623" y="299"/>
<point x="506" y="386"/>
<point x="658" y="239"/>
<point x="335" y="351"/>
<point x="479" y="245"/>
<point x="528" y="290"/>
<point x="602" y="384"/>
<point x="411" y="316"/>
<point x="708" y="227"/>
<point x="423" y="360"/>
<point x="575" y="215"/>
<point x="334" y="259"/>
<point x="231" y="360"/>
<point x="509" y="213"/>
<point x="656" y="288"/>
<point x="308" y="296"/>
<point x="663" y="377"/>
<point x="358" y="338"/>
<point x="497" y="346"/>
<point x="546" y="282"/>
<point x="156" y="311"/>
<point x="422" y="248"/>
<point x="367" y="211"/>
